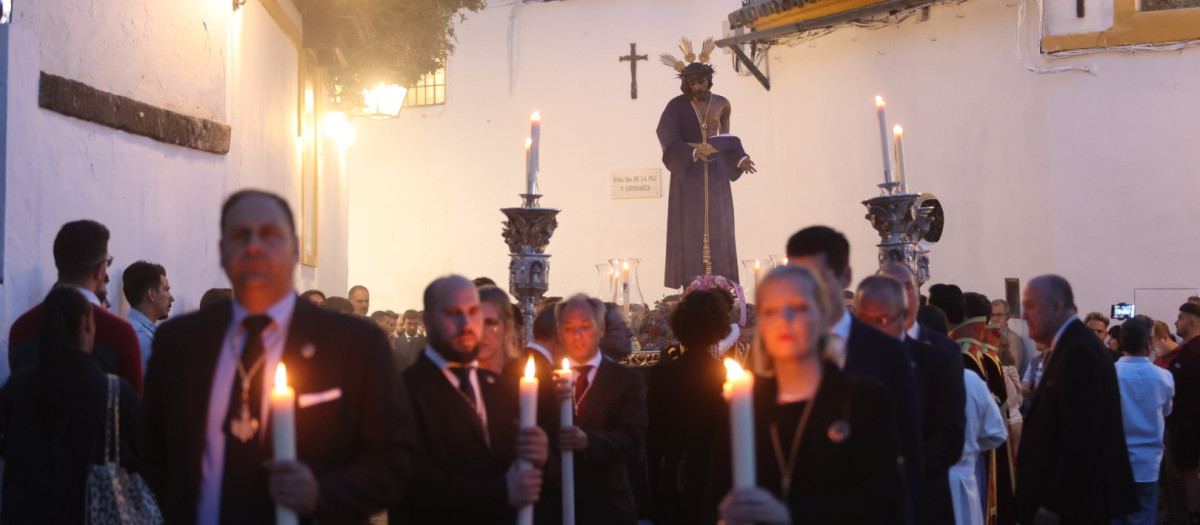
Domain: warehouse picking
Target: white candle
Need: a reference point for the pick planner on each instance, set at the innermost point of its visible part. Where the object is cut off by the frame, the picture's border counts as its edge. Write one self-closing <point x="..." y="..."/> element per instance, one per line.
<point x="757" y="276"/>
<point x="898" y="132"/>
<point x="625" y="289"/>
<point x="880" y="106"/>
<point x="567" y="417"/>
<point x="739" y="392"/>
<point x="529" y="176"/>
<point x="535" y="134"/>
<point x="528" y="397"/>
<point x="283" y="423"/>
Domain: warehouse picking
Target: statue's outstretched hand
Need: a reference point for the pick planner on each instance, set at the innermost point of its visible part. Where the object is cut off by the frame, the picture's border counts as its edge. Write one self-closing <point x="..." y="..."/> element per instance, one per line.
<point x="747" y="166"/>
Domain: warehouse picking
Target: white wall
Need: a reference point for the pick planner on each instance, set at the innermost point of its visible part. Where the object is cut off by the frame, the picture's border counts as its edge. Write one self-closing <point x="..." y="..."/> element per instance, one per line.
<point x="1091" y="176"/>
<point x="160" y="202"/>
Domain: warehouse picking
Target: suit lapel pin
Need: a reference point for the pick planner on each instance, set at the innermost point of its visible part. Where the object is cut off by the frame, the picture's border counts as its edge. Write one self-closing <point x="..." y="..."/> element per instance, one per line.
<point x="308" y="350"/>
<point x="491" y="380"/>
<point x="839" y="431"/>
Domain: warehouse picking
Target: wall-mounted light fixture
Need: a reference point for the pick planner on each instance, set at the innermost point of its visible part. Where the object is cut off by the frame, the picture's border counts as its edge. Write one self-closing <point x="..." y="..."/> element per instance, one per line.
<point x="383" y="101"/>
<point x="338" y="128"/>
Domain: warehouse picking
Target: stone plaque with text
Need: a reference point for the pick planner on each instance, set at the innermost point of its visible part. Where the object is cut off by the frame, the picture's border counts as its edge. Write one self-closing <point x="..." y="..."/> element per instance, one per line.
<point x="637" y="184"/>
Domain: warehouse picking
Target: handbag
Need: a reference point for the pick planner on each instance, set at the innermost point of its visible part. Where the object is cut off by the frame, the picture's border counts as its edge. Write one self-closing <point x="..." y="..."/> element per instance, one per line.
<point x="113" y="495"/>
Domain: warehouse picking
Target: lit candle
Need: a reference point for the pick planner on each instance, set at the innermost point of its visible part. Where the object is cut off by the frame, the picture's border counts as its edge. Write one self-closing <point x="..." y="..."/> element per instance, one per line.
<point x="528" y="397"/>
<point x="625" y="289"/>
<point x="567" y="417"/>
<point x="529" y="176"/>
<point x="880" y="106"/>
<point x="739" y="392"/>
<point x="535" y="134"/>
<point x="283" y="421"/>
<point x="898" y="132"/>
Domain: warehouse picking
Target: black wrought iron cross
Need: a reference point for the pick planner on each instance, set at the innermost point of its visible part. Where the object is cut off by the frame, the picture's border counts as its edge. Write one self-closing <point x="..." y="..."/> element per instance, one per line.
<point x="633" y="59"/>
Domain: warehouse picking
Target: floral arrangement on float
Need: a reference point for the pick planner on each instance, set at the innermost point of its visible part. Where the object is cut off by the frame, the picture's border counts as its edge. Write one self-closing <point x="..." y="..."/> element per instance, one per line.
<point x="654" y="330"/>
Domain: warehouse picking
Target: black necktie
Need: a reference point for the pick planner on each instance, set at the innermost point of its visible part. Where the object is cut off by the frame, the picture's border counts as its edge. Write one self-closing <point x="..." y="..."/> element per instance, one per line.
<point x="244" y="495"/>
<point x="581" y="386"/>
<point x="464" y="382"/>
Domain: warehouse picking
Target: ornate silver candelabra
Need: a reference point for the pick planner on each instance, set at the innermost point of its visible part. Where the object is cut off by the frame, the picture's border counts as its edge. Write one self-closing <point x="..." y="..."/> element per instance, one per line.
<point x="527" y="232"/>
<point x="903" y="221"/>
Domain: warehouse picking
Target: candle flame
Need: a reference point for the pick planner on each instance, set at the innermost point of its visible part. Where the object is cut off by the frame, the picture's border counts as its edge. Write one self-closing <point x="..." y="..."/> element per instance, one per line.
<point x="537" y="116"/>
<point x="281" y="378"/>
<point x="733" y="371"/>
<point x="530" y="369"/>
<point x="897" y="130"/>
<point x="528" y="142"/>
<point x="625" y="266"/>
<point x="756" y="265"/>
<point x="566" y="364"/>
<point x="878" y="101"/>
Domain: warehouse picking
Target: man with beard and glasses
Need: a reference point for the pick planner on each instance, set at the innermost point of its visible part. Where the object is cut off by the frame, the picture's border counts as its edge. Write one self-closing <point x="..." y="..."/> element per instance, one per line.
<point x="468" y="442"/>
<point x="703" y="159"/>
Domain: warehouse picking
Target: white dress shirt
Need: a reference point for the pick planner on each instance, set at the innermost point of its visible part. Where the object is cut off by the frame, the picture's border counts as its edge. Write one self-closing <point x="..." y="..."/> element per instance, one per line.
<point x="984" y="431"/>
<point x="838" y="335"/>
<point x="473" y="376"/>
<point x="274" y="337"/>
<point x="1146" y="392"/>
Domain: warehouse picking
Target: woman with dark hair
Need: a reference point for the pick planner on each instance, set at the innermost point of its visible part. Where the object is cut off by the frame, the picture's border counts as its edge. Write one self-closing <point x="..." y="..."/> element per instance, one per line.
<point x="316" y="297"/>
<point x="824" y="441"/>
<point x="683" y="401"/>
<point x="53" y="418"/>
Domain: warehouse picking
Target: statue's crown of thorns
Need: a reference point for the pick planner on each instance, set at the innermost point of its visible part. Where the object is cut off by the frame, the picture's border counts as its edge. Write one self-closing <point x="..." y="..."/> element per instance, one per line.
<point x="690" y="65"/>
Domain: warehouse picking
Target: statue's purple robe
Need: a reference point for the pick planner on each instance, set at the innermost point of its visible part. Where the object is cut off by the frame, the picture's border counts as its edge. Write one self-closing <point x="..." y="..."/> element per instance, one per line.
<point x="678" y="126"/>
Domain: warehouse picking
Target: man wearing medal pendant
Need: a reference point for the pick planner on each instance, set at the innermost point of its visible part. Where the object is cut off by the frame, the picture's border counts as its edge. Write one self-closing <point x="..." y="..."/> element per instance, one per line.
<point x="703" y="159"/>
<point x="208" y="436"/>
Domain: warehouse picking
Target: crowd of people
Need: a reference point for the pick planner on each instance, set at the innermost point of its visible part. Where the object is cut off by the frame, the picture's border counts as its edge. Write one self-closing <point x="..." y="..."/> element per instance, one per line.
<point x="882" y="406"/>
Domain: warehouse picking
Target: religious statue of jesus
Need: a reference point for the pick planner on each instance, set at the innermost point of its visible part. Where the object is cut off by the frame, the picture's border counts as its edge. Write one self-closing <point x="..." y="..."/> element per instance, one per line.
<point x="703" y="158"/>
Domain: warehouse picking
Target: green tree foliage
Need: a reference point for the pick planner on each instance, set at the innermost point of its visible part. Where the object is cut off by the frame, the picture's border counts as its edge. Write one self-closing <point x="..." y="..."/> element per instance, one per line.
<point x="402" y="39"/>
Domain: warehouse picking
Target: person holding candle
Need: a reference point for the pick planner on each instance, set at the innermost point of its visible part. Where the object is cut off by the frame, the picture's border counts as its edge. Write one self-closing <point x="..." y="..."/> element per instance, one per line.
<point x="208" y="437"/>
<point x="609" y="421"/>
<point x="823" y="440"/>
<point x="468" y="441"/>
<point x="684" y="404"/>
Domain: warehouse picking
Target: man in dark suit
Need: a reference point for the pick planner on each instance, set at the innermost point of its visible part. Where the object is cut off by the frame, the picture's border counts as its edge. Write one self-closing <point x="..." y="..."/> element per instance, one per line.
<point x="1072" y="465"/>
<point x="882" y="302"/>
<point x="409" y="342"/>
<point x="466" y="418"/>
<point x="610" y="418"/>
<point x="207" y="433"/>
<point x="1183" y="425"/>
<point x="864" y="351"/>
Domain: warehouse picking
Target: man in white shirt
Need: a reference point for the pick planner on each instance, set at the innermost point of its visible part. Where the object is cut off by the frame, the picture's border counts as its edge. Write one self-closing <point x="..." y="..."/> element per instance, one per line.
<point x="149" y="295"/>
<point x="1146" y="392"/>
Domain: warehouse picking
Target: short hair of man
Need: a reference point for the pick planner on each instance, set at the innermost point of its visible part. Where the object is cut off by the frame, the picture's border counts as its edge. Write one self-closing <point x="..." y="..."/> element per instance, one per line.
<point x="900" y="272"/>
<point x="976" y="305"/>
<point x="480" y="282"/>
<point x="933" y="318"/>
<point x="379" y="316"/>
<point x="243" y="194"/>
<point x="1161" y="330"/>
<point x="875" y="287"/>
<point x="79" y="248"/>
<point x="1135" y="335"/>
<point x="309" y="293"/>
<point x="817" y="240"/>
<point x="949" y="299"/>
<point x="582" y="301"/>
<point x="411" y="314"/>
<point x="545" y="325"/>
<point x="1000" y="302"/>
<point x="340" y="305"/>
<point x="356" y="288"/>
<point x="1096" y="316"/>
<point x="393" y="315"/>
<point x="214" y="296"/>
<point x="1057" y="289"/>
<point x="140" y="277"/>
<point x="1190" y="309"/>
<point x="1194" y="299"/>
